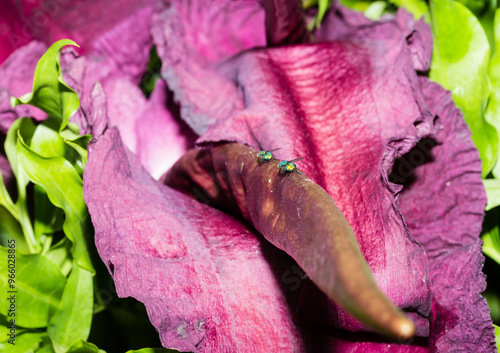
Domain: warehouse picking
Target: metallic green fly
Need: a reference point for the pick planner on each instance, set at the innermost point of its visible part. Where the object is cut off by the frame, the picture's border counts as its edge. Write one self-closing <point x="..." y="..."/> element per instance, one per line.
<point x="289" y="166"/>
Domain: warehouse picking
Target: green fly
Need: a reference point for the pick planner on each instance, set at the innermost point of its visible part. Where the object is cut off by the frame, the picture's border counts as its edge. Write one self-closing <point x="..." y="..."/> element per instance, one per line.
<point x="289" y="166"/>
<point x="265" y="156"/>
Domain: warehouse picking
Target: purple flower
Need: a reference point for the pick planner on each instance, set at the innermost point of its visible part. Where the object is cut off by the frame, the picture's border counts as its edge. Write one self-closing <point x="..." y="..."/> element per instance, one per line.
<point x="388" y="145"/>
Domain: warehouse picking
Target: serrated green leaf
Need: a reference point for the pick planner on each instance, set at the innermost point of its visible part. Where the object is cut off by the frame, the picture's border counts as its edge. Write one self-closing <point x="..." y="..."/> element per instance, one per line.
<point x="39" y="284"/>
<point x="64" y="187"/>
<point x="460" y="63"/>
<point x="27" y="342"/>
<point x="492" y="187"/>
<point x="72" y="322"/>
<point x="50" y="92"/>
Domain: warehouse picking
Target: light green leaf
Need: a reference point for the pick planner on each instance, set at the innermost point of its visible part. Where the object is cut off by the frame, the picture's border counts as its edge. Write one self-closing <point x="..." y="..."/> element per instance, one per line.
<point x="5" y="199"/>
<point x="491" y="246"/>
<point x="26" y="129"/>
<point x="80" y="146"/>
<point x="46" y="140"/>
<point x="417" y="8"/>
<point x="375" y="10"/>
<point x="357" y="5"/>
<point x="48" y="218"/>
<point x="493" y="109"/>
<point x="27" y="342"/>
<point x="492" y="187"/>
<point x="460" y="63"/>
<point x="11" y="229"/>
<point x="323" y="6"/>
<point x="64" y="187"/>
<point x="39" y="284"/>
<point x="45" y="345"/>
<point x="497" y="336"/>
<point x="8" y="328"/>
<point x="72" y="322"/>
<point x="84" y="347"/>
<point x="50" y="92"/>
<point x="60" y="254"/>
<point x="153" y="350"/>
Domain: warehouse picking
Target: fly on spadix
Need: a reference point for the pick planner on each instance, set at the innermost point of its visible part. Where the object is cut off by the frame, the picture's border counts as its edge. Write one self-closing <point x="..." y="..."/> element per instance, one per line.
<point x="289" y="166"/>
<point x="266" y="156"/>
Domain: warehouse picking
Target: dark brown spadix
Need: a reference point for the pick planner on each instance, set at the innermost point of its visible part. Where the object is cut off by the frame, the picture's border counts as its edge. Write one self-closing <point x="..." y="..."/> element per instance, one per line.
<point x="298" y="216"/>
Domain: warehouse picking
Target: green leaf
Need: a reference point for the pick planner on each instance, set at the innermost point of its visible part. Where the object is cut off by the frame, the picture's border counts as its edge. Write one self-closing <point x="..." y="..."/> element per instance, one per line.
<point x="323" y="6"/>
<point x="11" y="229"/>
<point x="64" y="187"/>
<point x="60" y="254"/>
<point x="39" y="284"/>
<point x="375" y="10"/>
<point x="492" y="187"/>
<point x="48" y="218"/>
<point x="73" y="321"/>
<point x="26" y="129"/>
<point x="417" y="8"/>
<point x="153" y="350"/>
<point x="27" y="342"/>
<point x="46" y="345"/>
<point x="7" y="328"/>
<point x="491" y="235"/>
<point x="50" y="92"/>
<point x="493" y="109"/>
<point x="5" y="199"/>
<point x="491" y="246"/>
<point x="497" y="336"/>
<point x="460" y="64"/>
<point x="84" y="347"/>
<point x="46" y="140"/>
<point x="358" y="5"/>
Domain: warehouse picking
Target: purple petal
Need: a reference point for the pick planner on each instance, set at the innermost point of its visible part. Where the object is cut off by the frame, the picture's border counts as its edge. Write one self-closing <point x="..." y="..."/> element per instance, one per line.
<point x="6" y="172"/>
<point x="202" y="275"/>
<point x="158" y="130"/>
<point x="13" y="32"/>
<point x="447" y="226"/>
<point x="285" y="22"/>
<point x="93" y="24"/>
<point x="298" y="98"/>
<point x="145" y="124"/>
<point x="192" y="38"/>
<point x="16" y="79"/>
